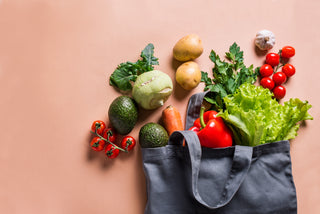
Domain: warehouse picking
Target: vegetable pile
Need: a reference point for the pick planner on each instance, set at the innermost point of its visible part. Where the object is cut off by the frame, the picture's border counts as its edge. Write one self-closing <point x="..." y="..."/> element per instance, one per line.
<point x="234" y="111"/>
<point x="252" y="112"/>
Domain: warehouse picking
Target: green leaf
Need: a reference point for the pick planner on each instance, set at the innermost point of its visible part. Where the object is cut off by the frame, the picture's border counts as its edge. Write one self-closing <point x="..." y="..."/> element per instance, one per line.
<point x="213" y="56"/>
<point x="257" y="70"/>
<point x="123" y="77"/>
<point x="147" y="55"/>
<point x="228" y="75"/>
<point x="235" y="54"/>
<point x="148" y="58"/>
<point x="126" y="73"/>
<point x="219" y="89"/>
<point x="231" y="86"/>
<point x="210" y="100"/>
<point x="204" y="78"/>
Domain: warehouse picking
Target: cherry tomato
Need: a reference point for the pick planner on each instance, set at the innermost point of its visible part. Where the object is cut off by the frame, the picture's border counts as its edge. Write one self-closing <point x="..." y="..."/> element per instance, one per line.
<point x="97" y="144"/>
<point x="279" y="92"/>
<point x="273" y="59"/>
<point x="128" y="143"/>
<point x="287" y="52"/>
<point x="267" y="82"/>
<point x="99" y="125"/>
<point x="279" y="78"/>
<point x="266" y="70"/>
<point x="289" y="70"/>
<point x="112" y="134"/>
<point x="111" y="151"/>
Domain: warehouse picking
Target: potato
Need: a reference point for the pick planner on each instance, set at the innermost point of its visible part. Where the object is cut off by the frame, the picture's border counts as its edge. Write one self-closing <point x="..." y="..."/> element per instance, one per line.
<point x="188" y="48"/>
<point x="188" y="75"/>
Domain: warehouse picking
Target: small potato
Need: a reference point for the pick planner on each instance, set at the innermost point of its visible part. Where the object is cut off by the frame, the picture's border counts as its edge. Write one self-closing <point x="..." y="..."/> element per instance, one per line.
<point x="188" y="75"/>
<point x="188" y="48"/>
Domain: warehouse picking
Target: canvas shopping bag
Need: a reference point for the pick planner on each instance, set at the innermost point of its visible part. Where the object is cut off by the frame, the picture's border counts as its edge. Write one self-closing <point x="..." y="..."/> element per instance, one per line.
<point x="234" y="180"/>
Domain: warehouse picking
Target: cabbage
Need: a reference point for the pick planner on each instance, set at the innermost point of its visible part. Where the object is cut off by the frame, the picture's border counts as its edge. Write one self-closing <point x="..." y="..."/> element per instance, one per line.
<point x="255" y="117"/>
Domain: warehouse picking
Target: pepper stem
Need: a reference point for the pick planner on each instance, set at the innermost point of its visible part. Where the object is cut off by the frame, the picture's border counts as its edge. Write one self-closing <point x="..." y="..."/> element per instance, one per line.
<point x="201" y="117"/>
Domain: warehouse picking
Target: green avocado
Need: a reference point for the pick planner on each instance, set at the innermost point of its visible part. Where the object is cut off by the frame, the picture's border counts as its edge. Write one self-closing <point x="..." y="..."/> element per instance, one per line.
<point x="153" y="135"/>
<point x="123" y="114"/>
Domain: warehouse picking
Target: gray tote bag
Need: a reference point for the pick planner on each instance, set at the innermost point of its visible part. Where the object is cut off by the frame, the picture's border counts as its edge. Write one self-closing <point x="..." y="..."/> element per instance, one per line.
<point x="234" y="180"/>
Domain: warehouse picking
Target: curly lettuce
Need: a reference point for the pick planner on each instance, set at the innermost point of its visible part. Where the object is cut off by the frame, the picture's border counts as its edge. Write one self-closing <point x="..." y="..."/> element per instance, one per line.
<point x="255" y="117"/>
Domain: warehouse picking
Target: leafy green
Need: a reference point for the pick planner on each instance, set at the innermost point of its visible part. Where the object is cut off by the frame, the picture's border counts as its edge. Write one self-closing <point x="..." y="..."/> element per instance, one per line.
<point x="227" y="76"/>
<point x="257" y="118"/>
<point x="127" y="72"/>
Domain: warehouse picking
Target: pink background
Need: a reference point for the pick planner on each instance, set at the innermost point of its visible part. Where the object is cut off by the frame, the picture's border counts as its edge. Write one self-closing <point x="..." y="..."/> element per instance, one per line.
<point x="55" y="61"/>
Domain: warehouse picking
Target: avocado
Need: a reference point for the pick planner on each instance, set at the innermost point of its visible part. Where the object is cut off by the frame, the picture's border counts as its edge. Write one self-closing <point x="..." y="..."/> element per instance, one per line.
<point x="123" y="114"/>
<point x="153" y="135"/>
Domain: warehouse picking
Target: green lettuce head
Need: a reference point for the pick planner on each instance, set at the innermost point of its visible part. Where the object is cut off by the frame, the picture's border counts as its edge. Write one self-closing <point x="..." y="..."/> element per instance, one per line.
<point x="255" y="117"/>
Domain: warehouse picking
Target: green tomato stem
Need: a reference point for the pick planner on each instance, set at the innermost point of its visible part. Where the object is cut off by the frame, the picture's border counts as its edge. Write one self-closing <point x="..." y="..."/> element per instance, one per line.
<point x="102" y="138"/>
<point x="280" y="62"/>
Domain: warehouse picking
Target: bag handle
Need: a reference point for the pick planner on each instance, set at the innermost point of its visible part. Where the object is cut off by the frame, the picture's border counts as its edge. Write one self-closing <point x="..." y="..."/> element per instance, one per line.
<point x="193" y="110"/>
<point x="239" y="169"/>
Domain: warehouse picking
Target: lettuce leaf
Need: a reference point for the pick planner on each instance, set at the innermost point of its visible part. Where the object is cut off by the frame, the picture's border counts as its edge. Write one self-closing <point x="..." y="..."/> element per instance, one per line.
<point x="255" y="117"/>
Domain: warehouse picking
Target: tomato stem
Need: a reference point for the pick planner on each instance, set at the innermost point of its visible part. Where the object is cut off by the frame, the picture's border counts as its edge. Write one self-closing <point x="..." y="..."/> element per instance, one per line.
<point x="102" y="138"/>
<point x="281" y="64"/>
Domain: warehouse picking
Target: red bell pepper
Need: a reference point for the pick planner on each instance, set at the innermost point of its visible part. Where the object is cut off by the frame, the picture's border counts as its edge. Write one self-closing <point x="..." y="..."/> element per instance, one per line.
<point x="211" y="130"/>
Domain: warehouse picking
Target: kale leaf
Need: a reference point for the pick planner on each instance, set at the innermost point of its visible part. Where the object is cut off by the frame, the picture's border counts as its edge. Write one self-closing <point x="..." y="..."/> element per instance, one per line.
<point x="126" y="73"/>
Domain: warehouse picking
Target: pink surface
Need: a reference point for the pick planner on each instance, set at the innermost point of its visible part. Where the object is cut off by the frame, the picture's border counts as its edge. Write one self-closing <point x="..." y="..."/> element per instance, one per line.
<point x="55" y="61"/>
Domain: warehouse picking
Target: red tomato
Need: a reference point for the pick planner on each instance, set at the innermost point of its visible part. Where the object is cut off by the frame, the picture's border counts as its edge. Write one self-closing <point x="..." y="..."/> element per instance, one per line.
<point x="279" y="92"/>
<point x="279" y="78"/>
<point x="128" y="143"/>
<point x="267" y="82"/>
<point x="112" y="134"/>
<point x="111" y="151"/>
<point x="273" y="59"/>
<point x="287" y="52"/>
<point x="266" y="70"/>
<point x="97" y="144"/>
<point x="99" y="125"/>
<point x="289" y="70"/>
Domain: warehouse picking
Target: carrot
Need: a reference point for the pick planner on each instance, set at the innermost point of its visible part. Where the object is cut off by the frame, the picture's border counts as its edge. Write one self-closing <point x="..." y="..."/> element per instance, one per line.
<point x="172" y="119"/>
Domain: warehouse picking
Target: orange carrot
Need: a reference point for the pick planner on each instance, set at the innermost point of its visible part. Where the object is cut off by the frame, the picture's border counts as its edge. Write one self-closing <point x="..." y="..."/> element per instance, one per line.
<point x="172" y="119"/>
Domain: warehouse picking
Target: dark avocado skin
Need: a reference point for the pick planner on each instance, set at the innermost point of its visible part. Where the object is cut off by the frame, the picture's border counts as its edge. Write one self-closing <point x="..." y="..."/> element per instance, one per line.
<point x="123" y="114"/>
<point x="153" y="135"/>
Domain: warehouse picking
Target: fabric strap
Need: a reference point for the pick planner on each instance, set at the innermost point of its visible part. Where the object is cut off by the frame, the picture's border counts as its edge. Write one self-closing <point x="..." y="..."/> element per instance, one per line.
<point x="193" y="109"/>
<point x="239" y="169"/>
<point x="241" y="158"/>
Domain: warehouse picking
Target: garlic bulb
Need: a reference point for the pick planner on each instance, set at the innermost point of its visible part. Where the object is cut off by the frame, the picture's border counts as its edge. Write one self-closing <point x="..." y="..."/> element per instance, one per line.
<point x="265" y="40"/>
